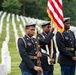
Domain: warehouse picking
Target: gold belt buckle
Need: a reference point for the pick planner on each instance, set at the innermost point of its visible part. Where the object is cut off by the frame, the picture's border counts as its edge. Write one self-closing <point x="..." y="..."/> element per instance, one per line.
<point x="35" y="57"/>
<point x="72" y="49"/>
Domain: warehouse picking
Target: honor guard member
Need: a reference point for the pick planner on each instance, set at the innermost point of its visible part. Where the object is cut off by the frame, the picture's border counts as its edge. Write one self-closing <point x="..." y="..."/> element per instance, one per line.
<point x="66" y="46"/>
<point x="28" y="53"/>
<point x="45" y="49"/>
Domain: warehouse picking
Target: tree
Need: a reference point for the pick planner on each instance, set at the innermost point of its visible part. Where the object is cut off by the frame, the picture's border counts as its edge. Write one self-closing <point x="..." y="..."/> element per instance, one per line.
<point x="24" y="3"/>
<point x="12" y="6"/>
<point x="43" y="9"/>
<point x="36" y="9"/>
<point x="0" y="4"/>
<point x="69" y="8"/>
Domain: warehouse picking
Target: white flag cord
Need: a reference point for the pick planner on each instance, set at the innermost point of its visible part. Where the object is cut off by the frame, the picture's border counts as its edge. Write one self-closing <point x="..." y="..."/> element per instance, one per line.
<point x="47" y="51"/>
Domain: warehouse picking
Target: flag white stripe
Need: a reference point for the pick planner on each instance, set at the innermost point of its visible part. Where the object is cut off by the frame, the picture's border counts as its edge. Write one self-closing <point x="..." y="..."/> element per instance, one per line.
<point x="60" y="1"/>
<point x="57" y="7"/>
<point x="55" y="15"/>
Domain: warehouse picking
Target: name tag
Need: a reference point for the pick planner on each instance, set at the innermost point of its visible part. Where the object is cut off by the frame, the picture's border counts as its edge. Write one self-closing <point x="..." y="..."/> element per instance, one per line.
<point x="66" y="38"/>
<point x="29" y="44"/>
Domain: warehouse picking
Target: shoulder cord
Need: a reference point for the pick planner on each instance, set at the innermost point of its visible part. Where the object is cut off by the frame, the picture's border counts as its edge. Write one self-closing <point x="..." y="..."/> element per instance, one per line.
<point x="24" y="42"/>
<point x="62" y="36"/>
<point x="46" y="45"/>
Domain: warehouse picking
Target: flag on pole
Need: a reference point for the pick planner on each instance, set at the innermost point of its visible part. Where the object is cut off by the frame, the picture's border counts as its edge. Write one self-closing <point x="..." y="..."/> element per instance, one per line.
<point x="55" y="12"/>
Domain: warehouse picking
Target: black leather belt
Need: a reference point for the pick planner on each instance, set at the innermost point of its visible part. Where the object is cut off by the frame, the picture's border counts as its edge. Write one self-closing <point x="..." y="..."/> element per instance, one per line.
<point x="72" y="49"/>
<point x="33" y="57"/>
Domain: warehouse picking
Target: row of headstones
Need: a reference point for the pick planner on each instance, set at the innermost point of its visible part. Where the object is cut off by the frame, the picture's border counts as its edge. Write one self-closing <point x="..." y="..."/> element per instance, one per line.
<point x="3" y="15"/>
<point x="5" y="66"/>
<point x="2" y="19"/>
<point x="24" y="20"/>
<point x="15" y="29"/>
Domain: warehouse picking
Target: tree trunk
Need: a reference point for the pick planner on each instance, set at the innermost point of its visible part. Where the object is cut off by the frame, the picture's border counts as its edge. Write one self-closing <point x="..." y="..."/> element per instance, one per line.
<point x="24" y="8"/>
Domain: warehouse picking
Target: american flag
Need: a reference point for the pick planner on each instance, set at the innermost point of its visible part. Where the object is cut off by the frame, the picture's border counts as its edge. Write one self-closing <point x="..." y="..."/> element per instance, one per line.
<point x="55" y="12"/>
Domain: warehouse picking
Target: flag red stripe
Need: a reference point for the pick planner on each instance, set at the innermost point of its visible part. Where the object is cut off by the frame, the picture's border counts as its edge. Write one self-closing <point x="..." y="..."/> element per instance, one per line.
<point x="55" y="10"/>
<point x="56" y="14"/>
<point x="54" y="18"/>
<point x="60" y="5"/>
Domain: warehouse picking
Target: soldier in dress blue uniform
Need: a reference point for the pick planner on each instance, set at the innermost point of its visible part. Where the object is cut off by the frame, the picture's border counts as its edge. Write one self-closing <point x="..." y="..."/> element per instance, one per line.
<point x="28" y="53"/>
<point x="66" y="46"/>
<point x="45" y="48"/>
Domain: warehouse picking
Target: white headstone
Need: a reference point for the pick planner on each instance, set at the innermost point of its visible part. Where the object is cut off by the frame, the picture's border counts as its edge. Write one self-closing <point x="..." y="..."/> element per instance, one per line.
<point x="3" y="69"/>
<point x="15" y="30"/>
<point x="8" y="17"/>
<point x="18" y="19"/>
<point x="23" y="20"/>
<point x="22" y="30"/>
<point x="1" y="22"/>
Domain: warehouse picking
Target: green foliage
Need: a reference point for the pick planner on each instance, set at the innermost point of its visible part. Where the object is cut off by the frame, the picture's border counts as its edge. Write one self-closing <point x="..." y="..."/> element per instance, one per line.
<point x="37" y="9"/>
<point x="43" y="9"/>
<point x="30" y="1"/>
<point x="12" y="6"/>
<point x="69" y="8"/>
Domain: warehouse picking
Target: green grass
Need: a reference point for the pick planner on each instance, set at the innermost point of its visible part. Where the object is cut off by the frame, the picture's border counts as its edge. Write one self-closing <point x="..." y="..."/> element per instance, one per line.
<point x="15" y="57"/>
<point x="57" y="69"/>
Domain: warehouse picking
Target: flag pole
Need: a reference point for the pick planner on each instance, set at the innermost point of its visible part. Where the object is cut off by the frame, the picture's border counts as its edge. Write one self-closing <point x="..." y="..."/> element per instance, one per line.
<point x="51" y="43"/>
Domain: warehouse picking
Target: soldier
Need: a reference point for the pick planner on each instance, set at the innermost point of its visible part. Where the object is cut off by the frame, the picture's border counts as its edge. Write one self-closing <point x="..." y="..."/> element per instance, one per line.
<point x="45" y="48"/>
<point x="27" y="50"/>
<point x="66" y="46"/>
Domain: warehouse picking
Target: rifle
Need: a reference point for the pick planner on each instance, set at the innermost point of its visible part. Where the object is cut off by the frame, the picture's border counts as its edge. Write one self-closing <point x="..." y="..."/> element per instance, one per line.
<point x="51" y="48"/>
<point x="38" y="49"/>
<point x="51" y="41"/>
